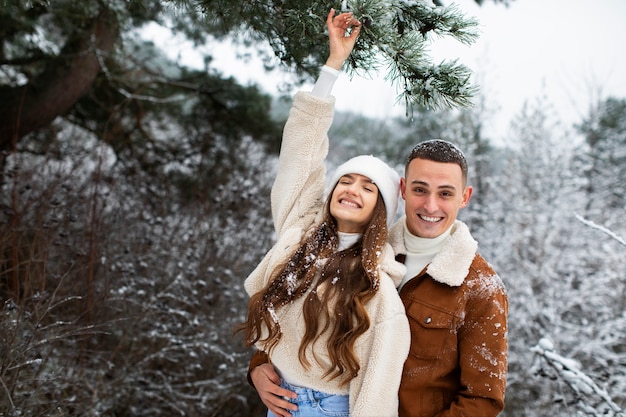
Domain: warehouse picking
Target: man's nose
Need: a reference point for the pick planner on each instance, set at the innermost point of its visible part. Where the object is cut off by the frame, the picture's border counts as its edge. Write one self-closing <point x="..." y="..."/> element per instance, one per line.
<point x="430" y="204"/>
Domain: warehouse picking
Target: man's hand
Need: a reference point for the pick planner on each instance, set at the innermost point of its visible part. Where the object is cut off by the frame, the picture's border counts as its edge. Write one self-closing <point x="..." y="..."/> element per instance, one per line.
<point x="267" y="383"/>
<point x="341" y="45"/>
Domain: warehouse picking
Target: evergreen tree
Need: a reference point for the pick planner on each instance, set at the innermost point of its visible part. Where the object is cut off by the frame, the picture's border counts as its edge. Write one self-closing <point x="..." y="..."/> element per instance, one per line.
<point x="565" y="280"/>
<point x="395" y="36"/>
<point x="603" y="162"/>
<point x="83" y="61"/>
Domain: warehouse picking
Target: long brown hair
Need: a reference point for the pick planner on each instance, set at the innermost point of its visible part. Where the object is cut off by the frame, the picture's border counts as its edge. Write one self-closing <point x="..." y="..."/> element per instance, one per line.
<point x="351" y="278"/>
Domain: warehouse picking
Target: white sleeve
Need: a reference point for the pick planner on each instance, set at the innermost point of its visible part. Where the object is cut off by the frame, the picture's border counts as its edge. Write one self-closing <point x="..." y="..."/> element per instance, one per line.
<point x="325" y="82"/>
<point x="297" y="195"/>
<point x="374" y="391"/>
<point x="381" y="352"/>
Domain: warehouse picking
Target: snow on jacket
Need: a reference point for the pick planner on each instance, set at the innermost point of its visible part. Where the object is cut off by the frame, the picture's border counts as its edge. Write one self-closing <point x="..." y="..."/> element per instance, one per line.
<point x="457" y="309"/>
<point x="297" y="202"/>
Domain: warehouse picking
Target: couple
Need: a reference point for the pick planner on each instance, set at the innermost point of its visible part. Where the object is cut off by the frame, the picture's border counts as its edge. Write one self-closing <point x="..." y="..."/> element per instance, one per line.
<point x="354" y="315"/>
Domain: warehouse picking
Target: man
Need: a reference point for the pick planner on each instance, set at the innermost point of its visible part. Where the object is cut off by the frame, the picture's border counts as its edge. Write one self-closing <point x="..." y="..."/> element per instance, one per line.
<point x="456" y="304"/>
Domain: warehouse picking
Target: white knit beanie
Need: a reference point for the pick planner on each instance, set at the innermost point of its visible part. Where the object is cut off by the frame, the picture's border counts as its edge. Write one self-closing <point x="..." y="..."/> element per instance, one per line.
<point x="386" y="179"/>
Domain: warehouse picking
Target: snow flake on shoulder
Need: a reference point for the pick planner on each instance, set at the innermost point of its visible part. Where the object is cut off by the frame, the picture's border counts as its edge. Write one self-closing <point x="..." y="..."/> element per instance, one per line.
<point x="486" y="280"/>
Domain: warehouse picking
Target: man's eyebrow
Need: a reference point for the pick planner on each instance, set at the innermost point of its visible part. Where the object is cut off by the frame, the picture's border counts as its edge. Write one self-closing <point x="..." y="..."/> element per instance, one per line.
<point x="441" y="187"/>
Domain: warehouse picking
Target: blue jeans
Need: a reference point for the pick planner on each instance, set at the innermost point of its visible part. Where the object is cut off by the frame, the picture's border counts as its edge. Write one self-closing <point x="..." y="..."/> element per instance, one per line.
<point x="313" y="403"/>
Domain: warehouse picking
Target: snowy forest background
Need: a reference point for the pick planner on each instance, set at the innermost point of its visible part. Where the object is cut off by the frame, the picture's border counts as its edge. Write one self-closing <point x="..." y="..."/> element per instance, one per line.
<point x="128" y="225"/>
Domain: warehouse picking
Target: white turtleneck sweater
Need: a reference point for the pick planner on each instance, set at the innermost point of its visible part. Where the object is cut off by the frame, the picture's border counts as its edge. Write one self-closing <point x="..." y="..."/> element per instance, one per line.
<point x="419" y="252"/>
<point x="347" y="239"/>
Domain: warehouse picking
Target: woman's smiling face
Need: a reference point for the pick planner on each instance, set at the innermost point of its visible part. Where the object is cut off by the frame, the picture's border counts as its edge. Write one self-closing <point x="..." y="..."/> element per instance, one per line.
<point x="352" y="202"/>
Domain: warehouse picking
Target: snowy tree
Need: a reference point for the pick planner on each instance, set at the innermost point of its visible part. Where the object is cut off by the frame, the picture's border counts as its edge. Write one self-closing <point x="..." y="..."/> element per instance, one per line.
<point x="127" y="303"/>
<point x="84" y="61"/>
<point x="603" y="161"/>
<point x="563" y="286"/>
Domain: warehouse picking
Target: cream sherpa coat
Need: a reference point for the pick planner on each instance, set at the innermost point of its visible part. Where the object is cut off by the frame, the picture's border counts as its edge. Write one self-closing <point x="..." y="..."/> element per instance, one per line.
<point x="297" y="206"/>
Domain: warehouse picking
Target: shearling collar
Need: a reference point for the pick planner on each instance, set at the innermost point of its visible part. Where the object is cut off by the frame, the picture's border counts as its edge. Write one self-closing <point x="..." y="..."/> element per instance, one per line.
<point x="451" y="265"/>
<point x="391" y="267"/>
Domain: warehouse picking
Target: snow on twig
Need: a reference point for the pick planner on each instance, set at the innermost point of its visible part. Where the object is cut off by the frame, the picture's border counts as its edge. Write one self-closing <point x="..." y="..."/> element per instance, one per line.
<point x="600" y="228"/>
<point x="569" y="370"/>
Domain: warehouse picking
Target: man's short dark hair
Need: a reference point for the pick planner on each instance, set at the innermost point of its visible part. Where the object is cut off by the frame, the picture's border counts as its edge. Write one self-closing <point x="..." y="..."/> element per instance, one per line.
<point x="438" y="150"/>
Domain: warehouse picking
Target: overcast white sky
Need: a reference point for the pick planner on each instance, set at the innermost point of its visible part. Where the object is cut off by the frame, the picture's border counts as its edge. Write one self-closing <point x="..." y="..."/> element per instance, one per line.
<point x="571" y="51"/>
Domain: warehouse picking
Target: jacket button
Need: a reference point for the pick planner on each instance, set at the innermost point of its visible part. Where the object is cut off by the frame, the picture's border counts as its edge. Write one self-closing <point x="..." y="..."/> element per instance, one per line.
<point x="427" y="320"/>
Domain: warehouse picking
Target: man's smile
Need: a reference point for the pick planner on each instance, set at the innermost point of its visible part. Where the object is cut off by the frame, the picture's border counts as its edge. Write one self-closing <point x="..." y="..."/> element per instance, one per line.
<point x="430" y="219"/>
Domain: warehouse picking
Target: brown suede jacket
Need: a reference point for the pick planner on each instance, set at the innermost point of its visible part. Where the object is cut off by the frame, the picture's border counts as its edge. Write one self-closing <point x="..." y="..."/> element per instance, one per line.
<point x="457" y="309"/>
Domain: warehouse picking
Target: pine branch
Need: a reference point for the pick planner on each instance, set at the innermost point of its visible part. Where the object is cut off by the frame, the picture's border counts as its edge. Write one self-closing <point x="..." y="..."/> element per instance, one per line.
<point x="441" y="21"/>
<point x="397" y="33"/>
<point x="394" y="37"/>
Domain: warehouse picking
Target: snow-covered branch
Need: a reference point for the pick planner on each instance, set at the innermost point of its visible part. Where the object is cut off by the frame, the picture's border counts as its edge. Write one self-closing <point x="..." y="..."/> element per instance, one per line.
<point x="600" y="228"/>
<point x="569" y="371"/>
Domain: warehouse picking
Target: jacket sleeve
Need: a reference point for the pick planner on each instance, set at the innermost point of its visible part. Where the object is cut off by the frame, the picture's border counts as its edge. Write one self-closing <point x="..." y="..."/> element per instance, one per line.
<point x="483" y="346"/>
<point x="258" y="358"/>
<point x="298" y="190"/>
<point x="374" y="392"/>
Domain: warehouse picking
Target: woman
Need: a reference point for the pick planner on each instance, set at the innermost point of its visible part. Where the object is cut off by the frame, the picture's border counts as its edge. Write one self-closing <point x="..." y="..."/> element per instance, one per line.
<point x="324" y="305"/>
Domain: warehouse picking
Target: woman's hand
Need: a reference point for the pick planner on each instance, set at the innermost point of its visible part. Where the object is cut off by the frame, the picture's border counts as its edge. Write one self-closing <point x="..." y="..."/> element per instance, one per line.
<point x="341" y="44"/>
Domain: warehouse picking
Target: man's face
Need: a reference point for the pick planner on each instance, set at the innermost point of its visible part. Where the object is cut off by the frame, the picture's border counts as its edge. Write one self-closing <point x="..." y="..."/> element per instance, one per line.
<point x="433" y="193"/>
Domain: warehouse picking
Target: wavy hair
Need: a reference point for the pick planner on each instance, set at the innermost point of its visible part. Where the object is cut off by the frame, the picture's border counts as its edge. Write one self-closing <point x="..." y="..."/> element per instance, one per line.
<point x="344" y="281"/>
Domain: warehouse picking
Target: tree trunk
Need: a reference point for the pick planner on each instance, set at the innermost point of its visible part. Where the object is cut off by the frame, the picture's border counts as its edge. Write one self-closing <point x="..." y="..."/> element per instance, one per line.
<point x="64" y="81"/>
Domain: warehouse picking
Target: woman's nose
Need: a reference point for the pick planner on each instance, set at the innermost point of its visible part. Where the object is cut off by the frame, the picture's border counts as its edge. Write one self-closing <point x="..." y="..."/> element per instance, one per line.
<point x="353" y="188"/>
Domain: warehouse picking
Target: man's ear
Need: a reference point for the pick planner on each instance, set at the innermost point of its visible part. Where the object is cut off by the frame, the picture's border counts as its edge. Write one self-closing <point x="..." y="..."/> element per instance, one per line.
<point x="403" y="187"/>
<point x="467" y="195"/>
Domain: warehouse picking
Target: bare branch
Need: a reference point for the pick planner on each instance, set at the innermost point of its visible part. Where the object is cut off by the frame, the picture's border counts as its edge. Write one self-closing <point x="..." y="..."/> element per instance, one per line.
<point x="601" y="228"/>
